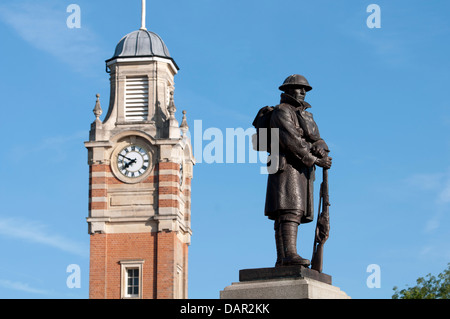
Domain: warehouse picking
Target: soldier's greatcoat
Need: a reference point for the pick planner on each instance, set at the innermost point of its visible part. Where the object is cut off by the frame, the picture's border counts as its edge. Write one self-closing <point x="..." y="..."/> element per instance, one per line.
<point x="291" y="187"/>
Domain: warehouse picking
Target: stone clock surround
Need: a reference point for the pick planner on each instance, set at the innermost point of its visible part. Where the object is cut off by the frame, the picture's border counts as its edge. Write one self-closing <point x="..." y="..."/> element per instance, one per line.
<point x="156" y="202"/>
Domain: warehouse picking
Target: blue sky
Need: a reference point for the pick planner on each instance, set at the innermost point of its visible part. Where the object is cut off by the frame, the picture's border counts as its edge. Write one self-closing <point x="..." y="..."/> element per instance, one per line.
<point x="379" y="97"/>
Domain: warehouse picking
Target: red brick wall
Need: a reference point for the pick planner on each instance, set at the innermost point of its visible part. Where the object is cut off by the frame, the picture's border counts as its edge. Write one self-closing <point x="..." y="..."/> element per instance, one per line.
<point x="97" y="266"/>
<point x="165" y="265"/>
<point x="160" y="250"/>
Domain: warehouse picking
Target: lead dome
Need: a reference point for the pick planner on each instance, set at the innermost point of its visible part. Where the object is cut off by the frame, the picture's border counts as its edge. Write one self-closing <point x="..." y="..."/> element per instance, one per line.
<point x="141" y="43"/>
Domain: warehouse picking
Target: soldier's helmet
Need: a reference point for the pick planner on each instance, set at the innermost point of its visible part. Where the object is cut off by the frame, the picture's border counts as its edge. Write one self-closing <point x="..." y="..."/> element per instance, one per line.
<point x="295" y="80"/>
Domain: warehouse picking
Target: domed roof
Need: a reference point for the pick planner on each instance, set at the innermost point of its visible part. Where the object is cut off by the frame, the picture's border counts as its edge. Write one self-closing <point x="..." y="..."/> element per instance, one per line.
<point x="141" y="43"/>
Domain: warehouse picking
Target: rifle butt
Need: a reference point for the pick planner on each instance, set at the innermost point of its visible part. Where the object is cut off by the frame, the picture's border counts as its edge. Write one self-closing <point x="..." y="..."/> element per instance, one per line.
<point x="317" y="259"/>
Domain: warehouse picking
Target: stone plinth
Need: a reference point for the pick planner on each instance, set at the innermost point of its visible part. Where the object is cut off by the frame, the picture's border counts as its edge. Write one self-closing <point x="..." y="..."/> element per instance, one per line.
<point x="293" y="282"/>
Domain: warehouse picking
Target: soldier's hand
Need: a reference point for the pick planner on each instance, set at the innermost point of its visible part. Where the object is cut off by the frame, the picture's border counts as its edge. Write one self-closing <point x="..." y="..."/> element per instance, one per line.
<point x="321" y="152"/>
<point x="324" y="162"/>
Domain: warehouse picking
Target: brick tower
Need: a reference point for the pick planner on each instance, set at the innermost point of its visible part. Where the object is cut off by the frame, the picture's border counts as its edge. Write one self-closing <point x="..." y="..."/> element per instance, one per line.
<point x="140" y="171"/>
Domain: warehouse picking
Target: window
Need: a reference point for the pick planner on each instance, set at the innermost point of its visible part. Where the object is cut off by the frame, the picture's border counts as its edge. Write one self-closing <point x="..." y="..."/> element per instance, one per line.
<point x="136" y="98"/>
<point x="131" y="281"/>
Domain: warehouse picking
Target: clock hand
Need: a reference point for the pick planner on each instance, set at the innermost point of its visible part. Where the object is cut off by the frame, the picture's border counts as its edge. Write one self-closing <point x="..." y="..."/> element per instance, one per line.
<point x="130" y="162"/>
<point x="127" y="157"/>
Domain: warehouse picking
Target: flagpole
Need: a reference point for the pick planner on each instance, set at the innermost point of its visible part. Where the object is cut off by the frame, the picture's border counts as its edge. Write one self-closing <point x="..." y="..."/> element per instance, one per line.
<point x="143" y="15"/>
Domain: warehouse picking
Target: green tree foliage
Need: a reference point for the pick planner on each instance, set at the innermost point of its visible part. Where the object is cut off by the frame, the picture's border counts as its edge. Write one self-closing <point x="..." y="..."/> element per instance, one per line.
<point x="430" y="287"/>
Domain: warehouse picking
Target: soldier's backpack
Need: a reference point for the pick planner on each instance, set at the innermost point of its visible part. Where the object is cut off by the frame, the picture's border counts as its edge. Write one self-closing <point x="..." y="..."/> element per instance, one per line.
<point x="261" y="140"/>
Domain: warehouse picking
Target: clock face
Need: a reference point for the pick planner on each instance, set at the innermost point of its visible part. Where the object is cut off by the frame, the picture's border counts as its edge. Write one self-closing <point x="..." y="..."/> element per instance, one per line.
<point x="133" y="161"/>
<point x="180" y="174"/>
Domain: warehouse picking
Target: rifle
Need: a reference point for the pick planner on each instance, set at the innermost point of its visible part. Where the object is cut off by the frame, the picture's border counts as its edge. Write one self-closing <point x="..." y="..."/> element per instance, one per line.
<point x="322" y="226"/>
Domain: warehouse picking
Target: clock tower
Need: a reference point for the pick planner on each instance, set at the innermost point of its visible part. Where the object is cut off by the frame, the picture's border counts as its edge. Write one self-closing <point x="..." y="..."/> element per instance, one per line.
<point x="140" y="171"/>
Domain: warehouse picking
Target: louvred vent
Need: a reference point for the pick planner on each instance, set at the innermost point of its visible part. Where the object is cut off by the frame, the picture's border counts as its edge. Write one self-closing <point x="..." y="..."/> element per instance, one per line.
<point x="136" y="98"/>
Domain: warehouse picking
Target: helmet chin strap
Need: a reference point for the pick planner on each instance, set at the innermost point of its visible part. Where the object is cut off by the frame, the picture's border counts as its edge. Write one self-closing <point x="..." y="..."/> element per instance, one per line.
<point x="285" y="97"/>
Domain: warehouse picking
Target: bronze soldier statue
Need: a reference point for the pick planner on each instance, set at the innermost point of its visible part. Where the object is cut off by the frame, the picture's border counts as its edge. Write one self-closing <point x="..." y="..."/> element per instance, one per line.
<point x="289" y="198"/>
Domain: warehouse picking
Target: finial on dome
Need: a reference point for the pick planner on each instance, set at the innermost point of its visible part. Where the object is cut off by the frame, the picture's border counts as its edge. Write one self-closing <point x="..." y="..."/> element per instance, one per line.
<point x="171" y="108"/>
<point x="97" y="109"/>
<point x="184" y="126"/>
<point x="143" y="15"/>
<point x="174" y="129"/>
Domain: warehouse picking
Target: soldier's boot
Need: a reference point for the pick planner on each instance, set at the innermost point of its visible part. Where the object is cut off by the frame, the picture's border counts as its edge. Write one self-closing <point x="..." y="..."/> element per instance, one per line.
<point x="289" y="232"/>
<point x="279" y="245"/>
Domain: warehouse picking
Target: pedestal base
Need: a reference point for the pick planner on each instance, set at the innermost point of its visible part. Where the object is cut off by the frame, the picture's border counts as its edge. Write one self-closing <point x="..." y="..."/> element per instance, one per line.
<point x="293" y="282"/>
